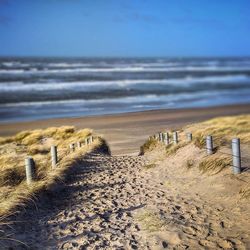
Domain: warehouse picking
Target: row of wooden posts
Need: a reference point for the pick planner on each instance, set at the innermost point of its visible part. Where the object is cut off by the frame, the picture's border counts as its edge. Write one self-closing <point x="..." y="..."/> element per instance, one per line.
<point x="30" y="166"/>
<point x="236" y="152"/>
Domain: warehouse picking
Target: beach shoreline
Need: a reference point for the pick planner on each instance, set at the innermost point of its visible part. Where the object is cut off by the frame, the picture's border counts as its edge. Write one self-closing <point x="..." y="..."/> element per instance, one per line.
<point x="125" y="132"/>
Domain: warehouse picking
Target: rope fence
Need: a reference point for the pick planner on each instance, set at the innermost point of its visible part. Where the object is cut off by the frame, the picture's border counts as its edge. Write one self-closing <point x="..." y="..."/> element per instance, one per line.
<point x="30" y="165"/>
<point x="210" y="149"/>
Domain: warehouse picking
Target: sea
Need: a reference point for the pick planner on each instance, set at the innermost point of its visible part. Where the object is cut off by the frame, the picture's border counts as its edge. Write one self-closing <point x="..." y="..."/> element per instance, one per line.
<point x="37" y="87"/>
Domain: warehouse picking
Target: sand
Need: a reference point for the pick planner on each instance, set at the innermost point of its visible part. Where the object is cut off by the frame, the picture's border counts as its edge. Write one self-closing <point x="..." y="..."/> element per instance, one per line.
<point x="118" y="202"/>
<point x="126" y="132"/>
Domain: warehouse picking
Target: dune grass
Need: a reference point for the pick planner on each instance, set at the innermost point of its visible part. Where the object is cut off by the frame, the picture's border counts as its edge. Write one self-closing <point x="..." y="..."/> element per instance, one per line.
<point x="173" y="148"/>
<point x="149" y="166"/>
<point x="150" y="221"/>
<point x="215" y="163"/>
<point x="223" y="129"/>
<point x="14" y="192"/>
<point x="170" y="149"/>
<point x="149" y="145"/>
<point x="190" y="163"/>
<point x="245" y="191"/>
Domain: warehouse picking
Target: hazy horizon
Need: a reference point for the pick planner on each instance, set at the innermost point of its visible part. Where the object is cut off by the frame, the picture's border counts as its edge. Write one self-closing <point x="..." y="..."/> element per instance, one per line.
<point x="125" y="57"/>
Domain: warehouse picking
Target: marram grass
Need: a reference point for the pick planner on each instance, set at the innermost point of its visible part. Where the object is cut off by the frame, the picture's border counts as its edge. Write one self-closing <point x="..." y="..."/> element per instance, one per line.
<point x="223" y="129"/>
<point x="14" y="191"/>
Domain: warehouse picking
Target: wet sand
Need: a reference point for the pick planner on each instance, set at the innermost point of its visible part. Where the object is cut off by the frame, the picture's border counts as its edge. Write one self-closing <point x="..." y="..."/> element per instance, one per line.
<point x="126" y="132"/>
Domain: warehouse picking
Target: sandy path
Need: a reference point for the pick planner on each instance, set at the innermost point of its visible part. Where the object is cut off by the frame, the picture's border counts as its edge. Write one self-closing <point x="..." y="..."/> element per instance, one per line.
<point x="93" y="210"/>
<point x="113" y="202"/>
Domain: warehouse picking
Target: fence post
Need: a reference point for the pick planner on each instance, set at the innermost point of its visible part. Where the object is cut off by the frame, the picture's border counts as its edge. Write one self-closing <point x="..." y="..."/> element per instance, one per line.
<point x="209" y="144"/>
<point x="175" y="137"/>
<point x="91" y="139"/>
<point x="86" y="141"/>
<point x="166" y="138"/>
<point x="53" y="151"/>
<point x="72" y="147"/>
<point x="236" y="156"/>
<point x="79" y="144"/>
<point x="189" y="137"/>
<point x="160" y="137"/>
<point x="30" y="169"/>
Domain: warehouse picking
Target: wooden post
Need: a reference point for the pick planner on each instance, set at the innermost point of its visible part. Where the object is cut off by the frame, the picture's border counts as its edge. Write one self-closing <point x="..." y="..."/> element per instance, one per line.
<point x="189" y="137"/>
<point x="79" y="144"/>
<point x="54" y="159"/>
<point x="162" y="137"/>
<point x="30" y="169"/>
<point x="175" y="137"/>
<point x="236" y="156"/>
<point x="209" y="144"/>
<point x="72" y="147"/>
<point x="166" y="138"/>
<point x="159" y="136"/>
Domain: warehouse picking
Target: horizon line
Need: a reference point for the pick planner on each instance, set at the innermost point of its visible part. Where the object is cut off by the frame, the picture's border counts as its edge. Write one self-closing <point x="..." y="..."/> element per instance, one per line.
<point x="128" y="57"/>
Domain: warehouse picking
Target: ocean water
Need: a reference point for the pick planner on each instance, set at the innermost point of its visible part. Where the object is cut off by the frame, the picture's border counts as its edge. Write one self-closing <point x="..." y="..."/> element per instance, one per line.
<point x="37" y="88"/>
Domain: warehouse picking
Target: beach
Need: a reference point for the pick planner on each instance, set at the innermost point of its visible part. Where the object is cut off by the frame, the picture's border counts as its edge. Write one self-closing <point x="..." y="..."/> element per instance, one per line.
<point x="124" y="125"/>
<point x="159" y="199"/>
<point x="126" y="132"/>
<point x="172" y="196"/>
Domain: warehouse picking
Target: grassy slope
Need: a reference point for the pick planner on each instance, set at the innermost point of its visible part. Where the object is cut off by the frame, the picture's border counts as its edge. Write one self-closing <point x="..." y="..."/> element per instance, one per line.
<point x="13" y="151"/>
<point x="223" y="130"/>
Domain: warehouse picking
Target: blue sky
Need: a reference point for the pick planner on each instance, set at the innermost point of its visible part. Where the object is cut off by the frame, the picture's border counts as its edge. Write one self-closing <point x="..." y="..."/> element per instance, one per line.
<point x="125" y="27"/>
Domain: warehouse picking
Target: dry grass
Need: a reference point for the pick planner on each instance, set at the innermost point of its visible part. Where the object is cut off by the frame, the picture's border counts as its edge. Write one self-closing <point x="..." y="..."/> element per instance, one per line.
<point x="223" y="129"/>
<point x="150" y="221"/>
<point x="190" y="163"/>
<point x="173" y="148"/>
<point x="215" y="163"/>
<point x="152" y="144"/>
<point x="149" y="145"/>
<point x="245" y="191"/>
<point x="149" y="166"/>
<point x="13" y="151"/>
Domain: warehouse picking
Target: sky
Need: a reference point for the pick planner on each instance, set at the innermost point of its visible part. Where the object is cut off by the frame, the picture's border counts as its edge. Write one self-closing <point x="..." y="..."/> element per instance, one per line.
<point x="126" y="28"/>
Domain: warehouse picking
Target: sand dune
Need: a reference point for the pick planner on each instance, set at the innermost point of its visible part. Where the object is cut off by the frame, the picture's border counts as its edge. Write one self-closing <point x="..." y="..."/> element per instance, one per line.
<point x="126" y="202"/>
